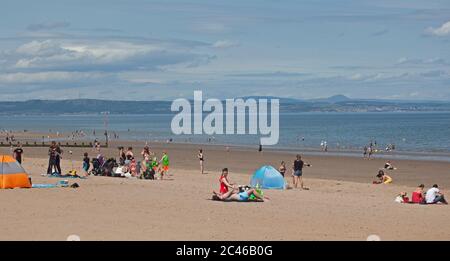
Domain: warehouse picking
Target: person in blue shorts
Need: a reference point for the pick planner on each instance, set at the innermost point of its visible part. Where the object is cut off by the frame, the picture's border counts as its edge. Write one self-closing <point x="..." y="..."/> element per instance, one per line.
<point x="235" y="195"/>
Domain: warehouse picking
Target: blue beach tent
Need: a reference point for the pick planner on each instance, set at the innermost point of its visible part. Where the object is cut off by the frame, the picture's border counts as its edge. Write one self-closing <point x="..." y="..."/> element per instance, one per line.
<point x="267" y="177"/>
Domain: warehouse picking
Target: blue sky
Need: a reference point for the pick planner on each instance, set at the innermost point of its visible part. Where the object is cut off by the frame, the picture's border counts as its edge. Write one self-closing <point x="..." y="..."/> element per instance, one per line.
<point x="150" y="50"/>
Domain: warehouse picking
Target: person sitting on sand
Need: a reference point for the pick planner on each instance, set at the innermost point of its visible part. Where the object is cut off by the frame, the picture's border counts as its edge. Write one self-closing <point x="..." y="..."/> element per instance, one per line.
<point x="235" y="195"/>
<point x="382" y="178"/>
<point x="225" y="185"/>
<point x="155" y="164"/>
<point x="147" y="170"/>
<point x="388" y="165"/>
<point x="129" y="156"/>
<point x="418" y="195"/>
<point x="434" y="196"/>
<point x="402" y="198"/>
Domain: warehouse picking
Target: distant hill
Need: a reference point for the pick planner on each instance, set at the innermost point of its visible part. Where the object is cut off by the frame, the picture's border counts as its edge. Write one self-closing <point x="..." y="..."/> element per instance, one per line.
<point x="337" y="103"/>
<point x="332" y="99"/>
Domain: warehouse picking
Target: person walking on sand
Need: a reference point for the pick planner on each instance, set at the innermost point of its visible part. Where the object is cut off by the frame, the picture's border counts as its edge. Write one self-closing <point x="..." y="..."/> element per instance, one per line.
<point x="201" y="159"/>
<point x="165" y="164"/>
<point x="298" y="171"/>
<point x="18" y="153"/>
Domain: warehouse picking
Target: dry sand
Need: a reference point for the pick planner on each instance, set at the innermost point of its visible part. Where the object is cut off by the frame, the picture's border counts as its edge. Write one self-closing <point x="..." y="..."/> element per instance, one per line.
<point x="342" y="204"/>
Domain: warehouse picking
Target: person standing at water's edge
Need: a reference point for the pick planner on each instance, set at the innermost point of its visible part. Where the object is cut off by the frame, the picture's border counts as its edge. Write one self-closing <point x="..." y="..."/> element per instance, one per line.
<point x="18" y="152"/>
<point x="298" y="171"/>
<point x="201" y="159"/>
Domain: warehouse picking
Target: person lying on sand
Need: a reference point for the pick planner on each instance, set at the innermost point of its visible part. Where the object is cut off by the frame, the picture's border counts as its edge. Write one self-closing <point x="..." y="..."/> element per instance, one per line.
<point x="235" y="195"/>
<point x="382" y="178"/>
<point x="402" y="198"/>
<point x="388" y="166"/>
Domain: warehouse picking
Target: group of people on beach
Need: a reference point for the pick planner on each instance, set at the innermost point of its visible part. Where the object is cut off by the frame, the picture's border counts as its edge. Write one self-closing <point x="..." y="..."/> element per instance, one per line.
<point x="128" y="165"/>
<point x="432" y="196"/>
<point x="232" y="192"/>
<point x="297" y="171"/>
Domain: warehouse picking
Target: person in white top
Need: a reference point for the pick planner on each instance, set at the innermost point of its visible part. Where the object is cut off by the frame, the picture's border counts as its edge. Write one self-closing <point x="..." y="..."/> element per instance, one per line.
<point x="434" y="196"/>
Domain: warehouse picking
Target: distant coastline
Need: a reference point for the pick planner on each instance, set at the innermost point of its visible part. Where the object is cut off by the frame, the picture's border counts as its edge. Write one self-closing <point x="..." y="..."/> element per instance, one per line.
<point x="336" y="103"/>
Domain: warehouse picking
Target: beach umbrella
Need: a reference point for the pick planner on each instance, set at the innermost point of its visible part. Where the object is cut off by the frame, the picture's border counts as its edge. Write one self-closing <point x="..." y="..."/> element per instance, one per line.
<point x="12" y="175"/>
<point x="267" y="177"/>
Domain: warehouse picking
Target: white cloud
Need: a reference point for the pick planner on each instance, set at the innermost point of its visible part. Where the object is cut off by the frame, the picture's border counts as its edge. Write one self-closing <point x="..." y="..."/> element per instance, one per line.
<point x="225" y="44"/>
<point x="442" y="30"/>
<point x="102" y="55"/>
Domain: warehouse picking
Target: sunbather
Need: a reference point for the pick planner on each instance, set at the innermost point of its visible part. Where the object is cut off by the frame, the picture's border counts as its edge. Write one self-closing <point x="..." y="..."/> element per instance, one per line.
<point x="235" y="195"/>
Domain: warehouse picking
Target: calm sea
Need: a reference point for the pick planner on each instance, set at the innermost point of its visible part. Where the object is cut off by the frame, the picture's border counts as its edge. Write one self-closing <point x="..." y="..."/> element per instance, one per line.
<point x="413" y="132"/>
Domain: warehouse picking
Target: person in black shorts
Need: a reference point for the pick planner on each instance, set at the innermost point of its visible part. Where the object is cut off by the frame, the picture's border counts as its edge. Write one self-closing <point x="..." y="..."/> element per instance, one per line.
<point x="298" y="171"/>
<point x="18" y="152"/>
<point x="201" y="159"/>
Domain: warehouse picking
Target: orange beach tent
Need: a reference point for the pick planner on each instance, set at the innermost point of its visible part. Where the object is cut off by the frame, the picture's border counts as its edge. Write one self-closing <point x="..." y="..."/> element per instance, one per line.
<point x="12" y="175"/>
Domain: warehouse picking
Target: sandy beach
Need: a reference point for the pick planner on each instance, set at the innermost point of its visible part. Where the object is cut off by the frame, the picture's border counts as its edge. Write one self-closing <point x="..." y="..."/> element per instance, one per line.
<point x="342" y="203"/>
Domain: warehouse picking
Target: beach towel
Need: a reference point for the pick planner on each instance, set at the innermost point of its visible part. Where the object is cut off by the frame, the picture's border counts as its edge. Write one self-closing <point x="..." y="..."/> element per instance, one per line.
<point x="56" y="175"/>
<point x="43" y="186"/>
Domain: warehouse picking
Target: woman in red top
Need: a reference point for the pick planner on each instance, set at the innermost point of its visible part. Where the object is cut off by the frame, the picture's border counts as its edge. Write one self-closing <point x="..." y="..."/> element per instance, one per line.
<point x="417" y="195"/>
<point x="224" y="183"/>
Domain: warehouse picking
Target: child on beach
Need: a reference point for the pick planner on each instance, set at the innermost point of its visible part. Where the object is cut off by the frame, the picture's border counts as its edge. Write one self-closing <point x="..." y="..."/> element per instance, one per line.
<point x="382" y="178"/>
<point x="86" y="164"/>
<point x="165" y="164"/>
<point x="402" y="198"/>
<point x="147" y="170"/>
